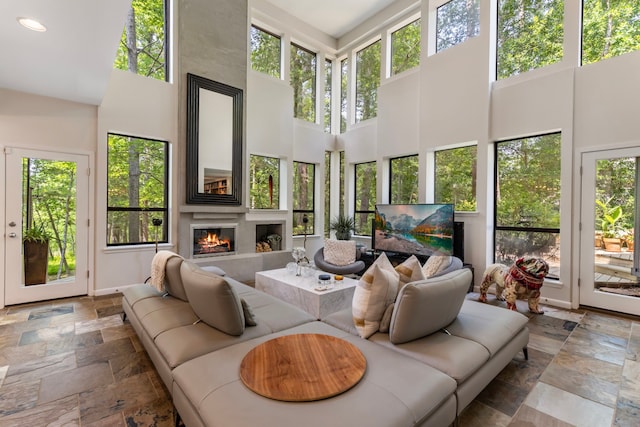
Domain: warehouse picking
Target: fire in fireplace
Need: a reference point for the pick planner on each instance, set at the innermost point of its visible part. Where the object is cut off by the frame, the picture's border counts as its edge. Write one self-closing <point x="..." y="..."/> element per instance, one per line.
<point x="211" y="240"/>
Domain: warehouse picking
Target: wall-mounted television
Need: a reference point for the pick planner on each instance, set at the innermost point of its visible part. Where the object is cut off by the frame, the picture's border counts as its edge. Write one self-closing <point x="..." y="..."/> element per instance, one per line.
<point x="416" y="229"/>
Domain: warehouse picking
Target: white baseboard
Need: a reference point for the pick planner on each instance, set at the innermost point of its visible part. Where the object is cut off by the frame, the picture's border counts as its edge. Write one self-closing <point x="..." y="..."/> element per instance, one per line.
<point x="110" y="291"/>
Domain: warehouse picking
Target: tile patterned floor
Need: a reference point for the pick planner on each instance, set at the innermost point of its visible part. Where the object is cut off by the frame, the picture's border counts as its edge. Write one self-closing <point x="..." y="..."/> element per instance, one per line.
<point x="74" y="362"/>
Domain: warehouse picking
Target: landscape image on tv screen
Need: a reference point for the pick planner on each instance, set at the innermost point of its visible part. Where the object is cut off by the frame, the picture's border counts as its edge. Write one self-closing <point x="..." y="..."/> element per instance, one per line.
<point x="421" y="229"/>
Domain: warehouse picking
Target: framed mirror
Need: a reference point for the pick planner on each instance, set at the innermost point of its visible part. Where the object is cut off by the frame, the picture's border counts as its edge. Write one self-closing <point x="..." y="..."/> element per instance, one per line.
<point x="214" y="142"/>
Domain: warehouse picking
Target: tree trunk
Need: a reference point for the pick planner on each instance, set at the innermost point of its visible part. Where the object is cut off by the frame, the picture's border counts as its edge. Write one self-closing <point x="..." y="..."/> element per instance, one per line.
<point x="130" y="31"/>
<point x="134" y="191"/>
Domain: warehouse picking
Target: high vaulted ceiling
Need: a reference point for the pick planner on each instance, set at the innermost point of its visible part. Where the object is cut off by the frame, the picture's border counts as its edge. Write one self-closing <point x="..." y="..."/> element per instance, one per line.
<point x="73" y="59"/>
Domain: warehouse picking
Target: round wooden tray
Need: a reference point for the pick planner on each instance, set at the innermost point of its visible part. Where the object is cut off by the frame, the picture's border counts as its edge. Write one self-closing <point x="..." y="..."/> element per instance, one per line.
<point x="302" y="367"/>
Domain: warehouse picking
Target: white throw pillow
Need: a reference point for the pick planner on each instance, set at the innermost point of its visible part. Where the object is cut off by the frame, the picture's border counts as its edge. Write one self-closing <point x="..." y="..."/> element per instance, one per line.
<point x="340" y="252"/>
<point x="435" y="264"/>
<point x="409" y="271"/>
<point x="376" y="290"/>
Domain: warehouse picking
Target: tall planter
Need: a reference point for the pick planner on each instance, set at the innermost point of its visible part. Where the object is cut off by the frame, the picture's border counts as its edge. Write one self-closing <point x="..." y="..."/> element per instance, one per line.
<point x="36" y="258"/>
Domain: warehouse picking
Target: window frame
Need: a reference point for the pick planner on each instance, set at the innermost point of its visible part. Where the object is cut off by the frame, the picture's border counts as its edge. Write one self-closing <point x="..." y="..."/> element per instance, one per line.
<point x="309" y="212"/>
<point x="271" y="33"/>
<point x="314" y="85"/>
<point x="391" y="161"/>
<point x="474" y="184"/>
<point x="165" y="210"/>
<point x="359" y="115"/>
<point x="276" y="206"/>
<point x="437" y="49"/>
<point x="391" y="71"/>
<point x="512" y="228"/>
<point x="357" y="211"/>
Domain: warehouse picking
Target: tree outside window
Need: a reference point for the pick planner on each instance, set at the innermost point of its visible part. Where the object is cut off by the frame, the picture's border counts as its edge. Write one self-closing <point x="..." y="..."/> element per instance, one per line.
<point x="342" y="166"/>
<point x="403" y="179"/>
<point x="457" y="21"/>
<point x="327" y="95"/>
<point x="142" y="48"/>
<point x="265" y="52"/>
<point x="405" y="48"/>
<point x="609" y="28"/>
<point x="303" y="81"/>
<point x="527" y="202"/>
<point x="365" y="197"/>
<point x="367" y="81"/>
<point x="264" y="182"/>
<point x="530" y="35"/>
<point x="456" y="177"/>
<point x="327" y="192"/>
<point x="344" y="78"/>
<point x="137" y="177"/>
<point x="303" y="198"/>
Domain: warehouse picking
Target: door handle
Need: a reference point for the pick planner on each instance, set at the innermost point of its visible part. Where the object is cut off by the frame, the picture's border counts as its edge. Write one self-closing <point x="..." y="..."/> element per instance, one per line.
<point x="12" y="235"/>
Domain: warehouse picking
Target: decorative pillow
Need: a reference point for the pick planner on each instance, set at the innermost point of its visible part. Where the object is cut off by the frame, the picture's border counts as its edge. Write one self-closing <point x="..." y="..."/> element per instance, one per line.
<point x="427" y="306"/>
<point x="249" y="317"/>
<point x="213" y="300"/>
<point x="409" y="271"/>
<point x="340" y="252"/>
<point x="173" y="280"/>
<point x="435" y="264"/>
<point x="386" y="319"/>
<point x="376" y="289"/>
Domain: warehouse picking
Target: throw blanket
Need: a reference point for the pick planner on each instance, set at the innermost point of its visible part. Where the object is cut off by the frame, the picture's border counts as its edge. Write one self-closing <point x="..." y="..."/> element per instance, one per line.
<point x="158" y="265"/>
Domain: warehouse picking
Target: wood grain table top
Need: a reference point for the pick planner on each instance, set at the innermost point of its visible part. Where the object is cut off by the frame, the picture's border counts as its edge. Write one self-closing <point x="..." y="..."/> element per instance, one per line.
<point x="302" y="367"/>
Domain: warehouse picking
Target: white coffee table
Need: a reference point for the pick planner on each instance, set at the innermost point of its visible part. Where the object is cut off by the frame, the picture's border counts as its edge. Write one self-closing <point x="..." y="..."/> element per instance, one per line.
<point x="301" y="291"/>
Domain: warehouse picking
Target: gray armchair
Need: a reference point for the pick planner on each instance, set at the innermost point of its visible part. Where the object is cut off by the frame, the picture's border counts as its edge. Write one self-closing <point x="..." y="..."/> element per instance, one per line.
<point x="323" y="265"/>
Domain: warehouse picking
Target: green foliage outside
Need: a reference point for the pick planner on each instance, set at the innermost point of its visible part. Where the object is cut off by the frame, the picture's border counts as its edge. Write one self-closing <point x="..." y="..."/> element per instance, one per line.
<point x="365" y="196"/>
<point x="528" y="198"/>
<point x="327" y="191"/>
<point x="303" y="81"/>
<point x="264" y="182"/>
<point x="456" y="177"/>
<point x="457" y="21"/>
<point x="615" y="188"/>
<point x="530" y="35"/>
<point x="303" y="197"/>
<point x="404" y="179"/>
<point x="265" y="52"/>
<point x="405" y="48"/>
<point x="344" y="79"/>
<point x="328" y="77"/>
<point x="49" y="210"/>
<point x="610" y="28"/>
<point x="136" y="189"/>
<point x="142" y="46"/>
<point x="367" y="81"/>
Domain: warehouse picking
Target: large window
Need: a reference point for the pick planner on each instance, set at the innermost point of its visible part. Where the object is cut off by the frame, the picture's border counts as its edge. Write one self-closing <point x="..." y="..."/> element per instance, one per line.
<point x="264" y="182"/>
<point x="527" y="204"/>
<point x="367" y="81"/>
<point x="609" y="28"/>
<point x="328" y="73"/>
<point x="405" y="48"/>
<point x="303" y="81"/>
<point x="456" y="176"/>
<point x="341" y="197"/>
<point x="327" y="192"/>
<point x="530" y="35"/>
<point x="457" y="21"/>
<point x="137" y="196"/>
<point x="365" y="197"/>
<point x="143" y="46"/>
<point x="403" y="179"/>
<point x="265" y="52"/>
<point x="344" y="79"/>
<point x="303" y="198"/>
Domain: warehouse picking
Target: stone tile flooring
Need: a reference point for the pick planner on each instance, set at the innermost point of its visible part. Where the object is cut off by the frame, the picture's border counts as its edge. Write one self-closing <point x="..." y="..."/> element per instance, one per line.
<point x="75" y="362"/>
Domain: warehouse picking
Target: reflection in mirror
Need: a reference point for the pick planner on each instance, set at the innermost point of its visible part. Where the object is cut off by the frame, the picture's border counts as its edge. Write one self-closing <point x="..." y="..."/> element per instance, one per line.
<point x="214" y="142"/>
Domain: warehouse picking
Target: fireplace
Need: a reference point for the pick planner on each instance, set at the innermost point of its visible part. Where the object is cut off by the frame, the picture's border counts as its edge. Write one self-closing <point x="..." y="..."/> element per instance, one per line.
<point x="213" y="239"/>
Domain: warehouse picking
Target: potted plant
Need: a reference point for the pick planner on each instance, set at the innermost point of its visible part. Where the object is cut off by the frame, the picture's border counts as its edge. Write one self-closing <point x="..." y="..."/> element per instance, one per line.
<point x="35" y="241"/>
<point x="342" y="225"/>
<point x="611" y="230"/>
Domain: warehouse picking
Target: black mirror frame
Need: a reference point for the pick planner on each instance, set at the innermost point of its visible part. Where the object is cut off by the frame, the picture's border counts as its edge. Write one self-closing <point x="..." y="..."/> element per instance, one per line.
<point x="194" y="83"/>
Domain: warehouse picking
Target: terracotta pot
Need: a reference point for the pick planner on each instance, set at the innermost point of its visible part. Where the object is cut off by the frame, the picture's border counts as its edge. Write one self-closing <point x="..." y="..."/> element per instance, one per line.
<point x="612" y="244"/>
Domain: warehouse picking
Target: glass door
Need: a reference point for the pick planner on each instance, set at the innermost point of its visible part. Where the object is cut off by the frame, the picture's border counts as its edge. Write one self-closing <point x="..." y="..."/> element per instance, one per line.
<point x="46" y="230"/>
<point x="608" y="257"/>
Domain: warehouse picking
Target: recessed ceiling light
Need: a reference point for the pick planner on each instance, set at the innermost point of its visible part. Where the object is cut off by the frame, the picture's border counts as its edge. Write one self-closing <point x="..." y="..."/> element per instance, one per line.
<point x="31" y="24"/>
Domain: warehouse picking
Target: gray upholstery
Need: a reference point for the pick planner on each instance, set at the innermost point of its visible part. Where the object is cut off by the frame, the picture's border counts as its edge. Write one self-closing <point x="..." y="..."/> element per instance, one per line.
<point x="426" y="381"/>
<point x="428" y="305"/>
<point x="213" y="299"/>
<point x="173" y="280"/>
<point x="455" y="264"/>
<point x="353" y="268"/>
